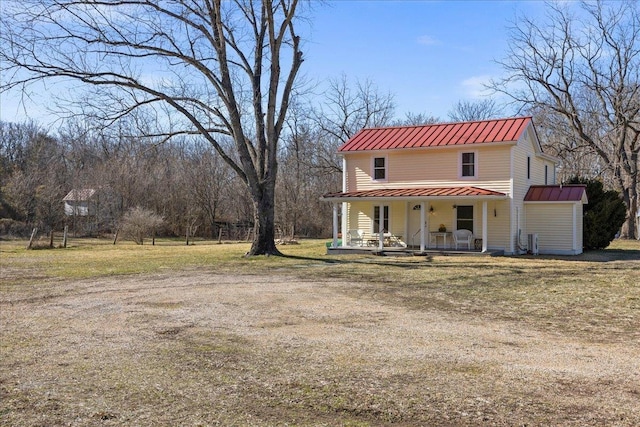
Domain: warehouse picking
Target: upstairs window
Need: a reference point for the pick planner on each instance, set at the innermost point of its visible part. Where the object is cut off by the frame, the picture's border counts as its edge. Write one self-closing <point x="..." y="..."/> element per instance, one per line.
<point x="379" y="168"/>
<point x="528" y="167"/>
<point x="468" y="167"/>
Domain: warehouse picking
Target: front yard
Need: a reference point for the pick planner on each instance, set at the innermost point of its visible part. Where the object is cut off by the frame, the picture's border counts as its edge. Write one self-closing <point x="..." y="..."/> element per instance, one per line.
<point x="104" y="335"/>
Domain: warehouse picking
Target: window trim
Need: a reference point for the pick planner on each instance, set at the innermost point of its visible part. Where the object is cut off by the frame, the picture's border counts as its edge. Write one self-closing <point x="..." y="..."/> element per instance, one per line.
<point x="373" y="169"/>
<point x="461" y="165"/>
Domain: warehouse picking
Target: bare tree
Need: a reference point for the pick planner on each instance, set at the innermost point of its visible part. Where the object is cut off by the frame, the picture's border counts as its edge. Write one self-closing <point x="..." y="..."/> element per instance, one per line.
<point x="343" y="111"/>
<point x="466" y="111"/>
<point x="213" y="69"/>
<point x="33" y="184"/>
<point x="583" y="66"/>
<point x="303" y="179"/>
<point x="417" y="119"/>
<point x="348" y="109"/>
<point x="208" y="181"/>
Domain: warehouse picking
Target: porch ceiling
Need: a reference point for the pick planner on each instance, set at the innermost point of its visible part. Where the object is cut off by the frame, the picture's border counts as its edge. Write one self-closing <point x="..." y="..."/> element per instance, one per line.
<point x="416" y="193"/>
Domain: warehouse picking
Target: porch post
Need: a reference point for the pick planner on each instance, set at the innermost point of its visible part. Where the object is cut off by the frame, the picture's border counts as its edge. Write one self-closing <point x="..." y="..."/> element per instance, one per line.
<point x="381" y="228"/>
<point x="335" y="226"/>
<point x="484" y="226"/>
<point x="345" y="225"/>
<point x="345" y="220"/>
<point x="407" y="209"/>
<point x="423" y="209"/>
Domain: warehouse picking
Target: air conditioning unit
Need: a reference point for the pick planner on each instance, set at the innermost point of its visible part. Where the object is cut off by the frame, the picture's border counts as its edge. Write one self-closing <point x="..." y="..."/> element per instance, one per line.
<point x="533" y="243"/>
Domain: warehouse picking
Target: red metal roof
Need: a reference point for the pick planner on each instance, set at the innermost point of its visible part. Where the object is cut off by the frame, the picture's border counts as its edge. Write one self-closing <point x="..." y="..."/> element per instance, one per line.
<point x="437" y="135"/>
<point x="417" y="193"/>
<point x="555" y="193"/>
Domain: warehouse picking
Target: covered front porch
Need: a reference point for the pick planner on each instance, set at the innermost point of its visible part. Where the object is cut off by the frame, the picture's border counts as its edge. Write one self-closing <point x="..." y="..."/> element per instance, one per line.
<point x="460" y="219"/>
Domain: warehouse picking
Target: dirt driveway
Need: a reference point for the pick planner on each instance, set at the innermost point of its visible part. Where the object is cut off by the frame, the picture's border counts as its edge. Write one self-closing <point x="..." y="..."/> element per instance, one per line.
<point x="197" y="348"/>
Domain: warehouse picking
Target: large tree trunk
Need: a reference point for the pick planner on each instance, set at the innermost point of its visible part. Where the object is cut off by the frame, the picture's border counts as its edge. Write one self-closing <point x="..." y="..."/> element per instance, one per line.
<point x="630" y="197"/>
<point x="264" y="221"/>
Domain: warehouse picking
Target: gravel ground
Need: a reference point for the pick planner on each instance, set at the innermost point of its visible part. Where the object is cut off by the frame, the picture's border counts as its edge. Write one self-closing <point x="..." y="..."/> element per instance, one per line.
<point x="196" y="348"/>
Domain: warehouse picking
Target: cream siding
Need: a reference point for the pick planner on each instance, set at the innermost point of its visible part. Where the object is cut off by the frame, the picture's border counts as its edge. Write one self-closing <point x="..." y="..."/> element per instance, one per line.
<point x="497" y="224"/>
<point x="554" y="224"/>
<point x="579" y="225"/>
<point x="431" y="167"/>
<point x="524" y="149"/>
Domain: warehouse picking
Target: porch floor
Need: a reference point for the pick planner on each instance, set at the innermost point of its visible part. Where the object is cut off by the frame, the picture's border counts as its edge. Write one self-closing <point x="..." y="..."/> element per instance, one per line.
<point x="408" y="251"/>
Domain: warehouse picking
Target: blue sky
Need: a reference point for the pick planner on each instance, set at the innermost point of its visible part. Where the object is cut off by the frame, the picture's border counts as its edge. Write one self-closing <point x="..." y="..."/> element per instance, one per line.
<point x="428" y="54"/>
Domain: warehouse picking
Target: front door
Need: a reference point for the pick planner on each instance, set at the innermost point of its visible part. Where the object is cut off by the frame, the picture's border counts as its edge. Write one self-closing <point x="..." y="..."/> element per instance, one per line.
<point x="464" y="220"/>
<point x="414" y="225"/>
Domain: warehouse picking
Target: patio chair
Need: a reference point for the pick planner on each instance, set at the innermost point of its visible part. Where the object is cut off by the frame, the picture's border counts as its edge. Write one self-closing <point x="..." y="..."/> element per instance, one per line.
<point x="463" y="237"/>
<point x="356" y="237"/>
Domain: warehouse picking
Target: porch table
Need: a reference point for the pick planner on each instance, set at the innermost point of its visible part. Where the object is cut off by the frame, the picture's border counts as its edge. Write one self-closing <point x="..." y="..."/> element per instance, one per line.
<point x="389" y="240"/>
<point x="440" y="234"/>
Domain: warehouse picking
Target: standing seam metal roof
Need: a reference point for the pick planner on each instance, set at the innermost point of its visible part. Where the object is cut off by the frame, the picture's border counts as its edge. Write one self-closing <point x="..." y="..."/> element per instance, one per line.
<point x="555" y="193"/>
<point x="418" y="192"/>
<point x="437" y="135"/>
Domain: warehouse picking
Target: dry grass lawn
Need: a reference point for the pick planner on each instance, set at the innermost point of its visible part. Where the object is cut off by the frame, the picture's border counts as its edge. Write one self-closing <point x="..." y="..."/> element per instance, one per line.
<point x="97" y="335"/>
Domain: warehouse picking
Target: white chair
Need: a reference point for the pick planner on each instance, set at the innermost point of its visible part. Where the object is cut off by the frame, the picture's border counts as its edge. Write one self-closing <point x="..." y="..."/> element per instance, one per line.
<point x="356" y="237"/>
<point x="463" y="237"/>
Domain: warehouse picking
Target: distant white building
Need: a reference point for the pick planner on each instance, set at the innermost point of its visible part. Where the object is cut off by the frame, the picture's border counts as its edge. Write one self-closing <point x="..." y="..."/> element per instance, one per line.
<point x="81" y="202"/>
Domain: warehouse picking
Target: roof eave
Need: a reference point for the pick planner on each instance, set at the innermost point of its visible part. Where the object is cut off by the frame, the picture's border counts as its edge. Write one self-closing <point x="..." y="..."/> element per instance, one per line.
<point x="432" y="147"/>
<point x="549" y="157"/>
<point x="411" y="198"/>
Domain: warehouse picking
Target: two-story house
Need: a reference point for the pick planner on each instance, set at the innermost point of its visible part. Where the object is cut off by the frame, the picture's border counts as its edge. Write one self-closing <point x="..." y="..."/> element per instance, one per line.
<point x="416" y="186"/>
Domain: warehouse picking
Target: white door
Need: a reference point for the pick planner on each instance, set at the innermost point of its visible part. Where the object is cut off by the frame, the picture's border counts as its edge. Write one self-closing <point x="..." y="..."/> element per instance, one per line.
<point x="413" y="239"/>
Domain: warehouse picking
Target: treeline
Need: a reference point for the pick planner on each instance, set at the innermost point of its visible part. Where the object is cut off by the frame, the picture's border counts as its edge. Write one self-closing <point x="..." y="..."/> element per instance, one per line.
<point x="184" y="180"/>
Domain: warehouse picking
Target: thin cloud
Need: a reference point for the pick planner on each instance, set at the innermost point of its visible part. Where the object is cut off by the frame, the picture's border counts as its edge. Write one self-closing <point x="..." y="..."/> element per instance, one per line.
<point x="476" y="86"/>
<point x="428" y="41"/>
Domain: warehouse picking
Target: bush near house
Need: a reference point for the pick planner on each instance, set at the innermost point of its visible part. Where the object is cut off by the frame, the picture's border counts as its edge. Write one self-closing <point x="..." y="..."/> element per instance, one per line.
<point x="603" y="215"/>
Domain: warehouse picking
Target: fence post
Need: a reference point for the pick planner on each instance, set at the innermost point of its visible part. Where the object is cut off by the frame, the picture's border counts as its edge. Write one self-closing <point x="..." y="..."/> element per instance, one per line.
<point x="64" y="236"/>
<point x="33" y="234"/>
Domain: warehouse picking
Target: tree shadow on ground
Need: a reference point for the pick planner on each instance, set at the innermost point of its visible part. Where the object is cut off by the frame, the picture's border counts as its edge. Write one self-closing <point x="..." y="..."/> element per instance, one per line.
<point x="385" y="262"/>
